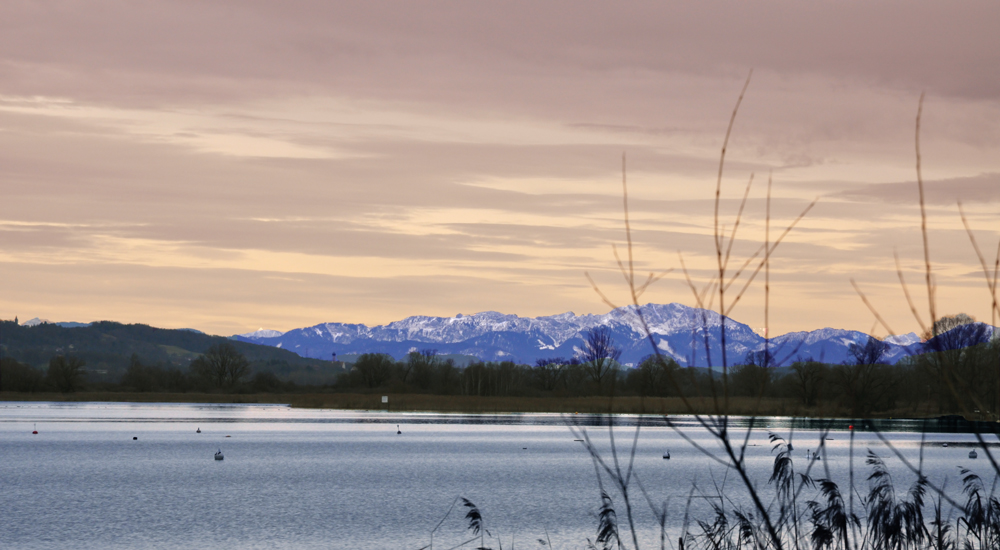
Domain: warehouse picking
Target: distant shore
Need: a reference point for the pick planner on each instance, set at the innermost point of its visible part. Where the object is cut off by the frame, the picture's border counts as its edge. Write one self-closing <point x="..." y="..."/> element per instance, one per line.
<point x="413" y="402"/>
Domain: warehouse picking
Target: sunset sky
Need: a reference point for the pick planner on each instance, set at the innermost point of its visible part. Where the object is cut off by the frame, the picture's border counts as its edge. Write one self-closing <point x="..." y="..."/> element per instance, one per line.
<point x="233" y="165"/>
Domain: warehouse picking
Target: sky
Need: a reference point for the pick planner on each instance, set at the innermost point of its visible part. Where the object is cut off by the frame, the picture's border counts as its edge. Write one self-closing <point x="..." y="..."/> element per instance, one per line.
<point x="235" y="165"/>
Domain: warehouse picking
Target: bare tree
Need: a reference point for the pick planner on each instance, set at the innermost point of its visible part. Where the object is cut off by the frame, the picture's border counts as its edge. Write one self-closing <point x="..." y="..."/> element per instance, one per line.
<point x="65" y="372"/>
<point x="761" y="358"/>
<point x="375" y="368"/>
<point x="809" y="378"/>
<point x="947" y="323"/>
<point x="652" y="376"/>
<point x="867" y="384"/>
<point x="549" y="372"/>
<point x="600" y="354"/>
<point x="222" y="364"/>
<point x="870" y="353"/>
<point x="422" y="364"/>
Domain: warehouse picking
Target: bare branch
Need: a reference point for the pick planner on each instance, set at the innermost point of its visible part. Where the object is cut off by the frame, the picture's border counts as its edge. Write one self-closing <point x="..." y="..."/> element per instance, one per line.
<point x="599" y="292"/>
<point x="739" y="215"/>
<point x="923" y="223"/>
<point x="906" y="293"/>
<point x="722" y="157"/>
<point x="769" y="252"/>
<point x="872" y="308"/>
<point x="990" y="284"/>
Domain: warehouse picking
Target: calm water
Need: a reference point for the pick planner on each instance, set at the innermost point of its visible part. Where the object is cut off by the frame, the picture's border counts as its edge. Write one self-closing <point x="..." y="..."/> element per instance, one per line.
<point x="333" y="479"/>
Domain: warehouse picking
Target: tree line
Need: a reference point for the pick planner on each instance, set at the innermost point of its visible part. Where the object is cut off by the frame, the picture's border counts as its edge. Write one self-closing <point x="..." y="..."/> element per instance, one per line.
<point x="860" y="387"/>
<point x="221" y="368"/>
<point x="964" y="358"/>
<point x="863" y="385"/>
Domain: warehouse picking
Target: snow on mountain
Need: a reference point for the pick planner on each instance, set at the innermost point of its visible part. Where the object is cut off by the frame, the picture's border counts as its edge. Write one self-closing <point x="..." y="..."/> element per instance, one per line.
<point x="261" y="333"/>
<point x="903" y="339"/>
<point x="691" y="336"/>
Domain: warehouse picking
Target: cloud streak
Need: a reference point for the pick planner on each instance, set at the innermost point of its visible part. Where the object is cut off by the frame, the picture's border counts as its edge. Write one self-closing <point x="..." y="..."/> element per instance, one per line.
<point x="232" y="165"/>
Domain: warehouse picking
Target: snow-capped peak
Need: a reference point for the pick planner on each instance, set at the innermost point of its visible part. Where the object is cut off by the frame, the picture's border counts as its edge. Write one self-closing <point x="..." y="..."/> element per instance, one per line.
<point x="263" y="333"/>
<point x="903" y="339"/>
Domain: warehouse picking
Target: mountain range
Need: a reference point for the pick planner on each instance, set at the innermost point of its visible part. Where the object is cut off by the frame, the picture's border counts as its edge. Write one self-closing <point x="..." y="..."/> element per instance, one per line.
<point x="679" y="331"/>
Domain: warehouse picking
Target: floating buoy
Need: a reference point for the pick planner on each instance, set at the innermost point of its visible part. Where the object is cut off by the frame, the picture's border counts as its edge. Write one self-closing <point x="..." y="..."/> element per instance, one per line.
<point x="35" y="429"/>
<point x="198" y="431"/>
<point x="218" y="455"/>
<point x="135" y="438"/>
<point x="398" y="431"/>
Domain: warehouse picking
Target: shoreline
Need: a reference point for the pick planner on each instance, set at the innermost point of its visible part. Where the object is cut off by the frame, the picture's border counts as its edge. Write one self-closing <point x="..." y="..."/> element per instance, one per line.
<point x="412" y="402"/>
<point x="592" y="411"/>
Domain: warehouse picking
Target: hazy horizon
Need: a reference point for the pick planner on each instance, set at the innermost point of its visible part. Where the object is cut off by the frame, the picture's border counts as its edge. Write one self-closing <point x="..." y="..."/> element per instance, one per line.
<point x="236" y="165"/>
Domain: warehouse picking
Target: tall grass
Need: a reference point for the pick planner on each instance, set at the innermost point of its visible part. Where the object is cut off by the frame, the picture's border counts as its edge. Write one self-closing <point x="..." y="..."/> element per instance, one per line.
<point x="799" y="509"/>
<point x="801" y="506"/>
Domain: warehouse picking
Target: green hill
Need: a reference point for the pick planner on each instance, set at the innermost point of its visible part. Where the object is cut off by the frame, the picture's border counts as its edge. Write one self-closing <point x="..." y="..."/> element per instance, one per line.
<point x="107" y="348"/>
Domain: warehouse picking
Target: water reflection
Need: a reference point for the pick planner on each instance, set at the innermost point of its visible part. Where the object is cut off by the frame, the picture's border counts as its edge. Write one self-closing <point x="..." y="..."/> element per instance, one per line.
<point x="258" y="413"/>
<point x="300" y="478"/>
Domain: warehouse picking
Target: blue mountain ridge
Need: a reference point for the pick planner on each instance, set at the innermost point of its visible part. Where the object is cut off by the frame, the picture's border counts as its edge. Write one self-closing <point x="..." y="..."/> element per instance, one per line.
<point x="678" y="331"/>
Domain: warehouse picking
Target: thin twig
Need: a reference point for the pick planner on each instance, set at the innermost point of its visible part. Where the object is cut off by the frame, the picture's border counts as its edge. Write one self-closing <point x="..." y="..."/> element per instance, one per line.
<point x="722" y="158"/>
<point x="872" y="308"/>
<point x="923" y="223"/>
<point x="736" y="225"/>
<point x="990" y="284"/>
<point x="906" y="293"/>
<point x="769" y="252"/>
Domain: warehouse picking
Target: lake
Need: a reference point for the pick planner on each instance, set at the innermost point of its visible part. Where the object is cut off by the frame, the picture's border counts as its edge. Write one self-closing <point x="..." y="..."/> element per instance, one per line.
<point x="303" y="479"/>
